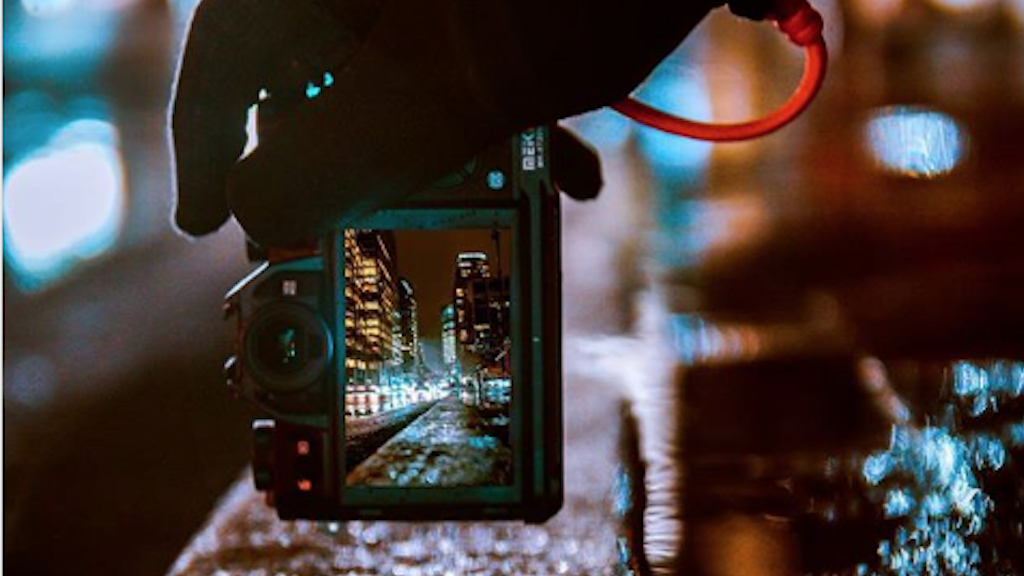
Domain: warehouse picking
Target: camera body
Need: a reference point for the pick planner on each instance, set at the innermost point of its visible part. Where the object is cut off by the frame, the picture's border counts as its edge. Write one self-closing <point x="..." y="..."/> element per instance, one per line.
<point x="408" y="366"/>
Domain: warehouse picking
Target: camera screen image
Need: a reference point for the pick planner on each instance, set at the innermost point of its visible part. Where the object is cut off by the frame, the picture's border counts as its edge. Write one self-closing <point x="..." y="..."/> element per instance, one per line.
<point x="428" y="380"/>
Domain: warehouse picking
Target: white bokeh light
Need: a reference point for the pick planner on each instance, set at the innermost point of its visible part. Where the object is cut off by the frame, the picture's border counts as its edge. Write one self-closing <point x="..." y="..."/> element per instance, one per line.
<point x="915" y="142"/>
<point x="957" y="7"/>
<point x="63" y="204"/>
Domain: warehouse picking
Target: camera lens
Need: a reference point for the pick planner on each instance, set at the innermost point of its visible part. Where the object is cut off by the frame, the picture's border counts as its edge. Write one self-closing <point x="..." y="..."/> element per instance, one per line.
<point x="288" y="347"/>
<point x="282" y="346"/>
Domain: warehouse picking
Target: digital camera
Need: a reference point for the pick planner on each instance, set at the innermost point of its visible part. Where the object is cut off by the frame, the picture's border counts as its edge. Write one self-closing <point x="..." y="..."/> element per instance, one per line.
<point x="409" y="367"/>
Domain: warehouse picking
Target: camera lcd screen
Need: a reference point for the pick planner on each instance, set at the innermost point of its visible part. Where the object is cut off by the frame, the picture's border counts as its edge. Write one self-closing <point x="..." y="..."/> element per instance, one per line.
<point x="429" y="376"/>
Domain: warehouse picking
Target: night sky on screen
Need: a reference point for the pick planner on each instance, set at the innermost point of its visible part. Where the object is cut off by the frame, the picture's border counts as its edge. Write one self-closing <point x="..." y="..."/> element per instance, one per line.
<point x="427" y="259"/>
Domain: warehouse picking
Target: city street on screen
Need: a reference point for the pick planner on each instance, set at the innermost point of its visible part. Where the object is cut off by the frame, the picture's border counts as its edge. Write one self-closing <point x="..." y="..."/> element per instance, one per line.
<point x="428" y="358"/>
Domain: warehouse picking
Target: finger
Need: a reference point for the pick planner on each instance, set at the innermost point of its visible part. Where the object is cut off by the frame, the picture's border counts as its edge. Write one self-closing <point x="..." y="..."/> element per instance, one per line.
<point x="576" y="166"/>
<point x="234" y="49"/>
<point x="751" y="9"/>
<point x="207" y="120"/>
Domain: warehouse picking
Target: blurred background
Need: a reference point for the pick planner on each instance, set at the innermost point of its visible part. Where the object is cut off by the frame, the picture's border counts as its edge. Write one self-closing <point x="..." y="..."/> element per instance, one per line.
<point x="118" y="436"/>
<point x="841" y="304"/>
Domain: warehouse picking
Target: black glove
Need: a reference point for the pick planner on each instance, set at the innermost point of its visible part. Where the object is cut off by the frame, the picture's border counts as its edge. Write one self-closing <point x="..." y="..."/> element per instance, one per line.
<point x="420" y="86"/>
<point x="752" y="9"/>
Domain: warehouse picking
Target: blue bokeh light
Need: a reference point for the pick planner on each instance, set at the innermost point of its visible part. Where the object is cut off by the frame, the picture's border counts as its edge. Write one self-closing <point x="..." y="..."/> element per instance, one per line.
<point x="898" y="503"/>
<point x="605" y="128"/>
<point x="47" y="8"/>
<point x="877" y="467"/>
<point x="63" y="41"/>
<point x="934" y="478"/>
<point x="982" y="390"/>
<point x="63" y="203"/>
<point x="915" y="142"/>
<point x="674" y="159"/>
<point x="1016" y="434"/>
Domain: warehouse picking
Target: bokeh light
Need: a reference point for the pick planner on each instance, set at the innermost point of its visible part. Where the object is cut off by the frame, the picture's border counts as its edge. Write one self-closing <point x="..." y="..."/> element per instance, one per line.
<point x="964" y="6"/>
<point x="915" y="142"/>
<point x="49" y="8"/>
<point x="63" y="203"/>
<point x="606" y="129"/>
<point x="945" y="482"/>
<point x="30" y="381"/>
<point x="46" y="8"/>
<point x="63" y="41"/>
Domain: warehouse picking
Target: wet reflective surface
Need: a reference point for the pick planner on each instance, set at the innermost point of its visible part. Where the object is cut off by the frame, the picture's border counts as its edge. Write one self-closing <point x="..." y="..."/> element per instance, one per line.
<point x="942" y="496"/>
<point x="451" y="444"/>
<point x="953" y="486"/>
<point x="258" y="543"/>
<point x="245" y="536"/>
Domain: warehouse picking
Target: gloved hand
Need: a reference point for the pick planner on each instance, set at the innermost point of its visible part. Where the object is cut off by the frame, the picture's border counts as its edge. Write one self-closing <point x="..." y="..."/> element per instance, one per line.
<point x="420" y="86"/>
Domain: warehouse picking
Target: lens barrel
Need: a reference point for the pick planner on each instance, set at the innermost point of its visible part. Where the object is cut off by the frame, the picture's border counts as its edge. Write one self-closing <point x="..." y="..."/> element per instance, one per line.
<point x="288" y="347"/>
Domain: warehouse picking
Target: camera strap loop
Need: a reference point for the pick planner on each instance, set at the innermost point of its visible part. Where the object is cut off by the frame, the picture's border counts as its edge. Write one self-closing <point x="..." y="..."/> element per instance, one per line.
<point x="803" y="25"/>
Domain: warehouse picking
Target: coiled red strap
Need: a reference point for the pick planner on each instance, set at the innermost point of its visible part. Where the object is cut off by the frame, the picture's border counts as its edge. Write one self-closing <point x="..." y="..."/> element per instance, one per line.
<point x="803" y="26"/>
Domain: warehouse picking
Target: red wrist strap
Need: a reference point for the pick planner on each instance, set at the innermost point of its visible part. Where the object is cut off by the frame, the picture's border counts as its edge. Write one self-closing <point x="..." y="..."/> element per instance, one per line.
<point x="803" y="26"/>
